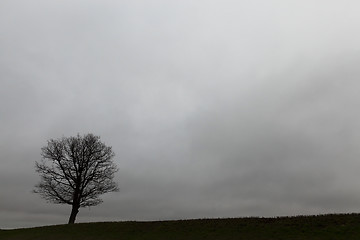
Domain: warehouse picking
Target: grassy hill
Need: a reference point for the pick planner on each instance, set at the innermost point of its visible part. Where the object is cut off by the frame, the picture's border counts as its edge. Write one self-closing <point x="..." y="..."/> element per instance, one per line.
<point x="335" y="226"/>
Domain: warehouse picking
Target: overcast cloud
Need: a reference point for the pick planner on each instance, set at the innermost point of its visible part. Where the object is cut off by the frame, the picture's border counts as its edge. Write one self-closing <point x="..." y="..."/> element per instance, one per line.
<point x="213" y="108"/>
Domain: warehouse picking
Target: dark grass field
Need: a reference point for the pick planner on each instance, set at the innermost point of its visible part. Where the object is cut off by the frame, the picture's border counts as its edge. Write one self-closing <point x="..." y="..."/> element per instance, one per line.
<point x="333" y="226"/>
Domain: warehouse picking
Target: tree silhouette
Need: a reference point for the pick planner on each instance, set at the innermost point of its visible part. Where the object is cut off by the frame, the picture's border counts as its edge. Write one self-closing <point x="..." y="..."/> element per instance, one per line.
<point x="75" y="171"/>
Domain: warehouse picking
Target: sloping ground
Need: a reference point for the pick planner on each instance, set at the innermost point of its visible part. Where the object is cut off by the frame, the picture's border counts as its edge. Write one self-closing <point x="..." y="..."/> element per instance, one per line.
<point x="336" y="226"/>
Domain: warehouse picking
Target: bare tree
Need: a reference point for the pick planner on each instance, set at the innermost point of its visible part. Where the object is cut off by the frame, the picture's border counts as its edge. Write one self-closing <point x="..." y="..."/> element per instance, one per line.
<point x="75" y="171"/>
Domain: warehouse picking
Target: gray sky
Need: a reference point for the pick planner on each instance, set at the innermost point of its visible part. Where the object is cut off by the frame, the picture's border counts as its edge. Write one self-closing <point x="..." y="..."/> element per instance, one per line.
<point x="213" y="108"/>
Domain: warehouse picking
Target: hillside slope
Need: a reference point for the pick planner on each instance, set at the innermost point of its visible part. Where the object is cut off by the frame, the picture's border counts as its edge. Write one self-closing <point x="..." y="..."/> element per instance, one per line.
<point x="335" y="226"/>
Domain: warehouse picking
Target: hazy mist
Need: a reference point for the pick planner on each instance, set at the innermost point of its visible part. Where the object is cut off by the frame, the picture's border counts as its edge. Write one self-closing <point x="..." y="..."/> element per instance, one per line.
<point x="213" y="108"/>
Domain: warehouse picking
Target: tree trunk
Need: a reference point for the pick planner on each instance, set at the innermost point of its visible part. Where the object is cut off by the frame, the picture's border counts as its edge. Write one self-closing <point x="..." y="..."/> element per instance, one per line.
<point x="74" y="212"/>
